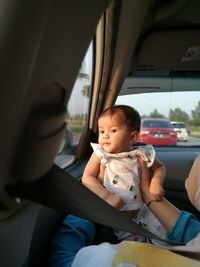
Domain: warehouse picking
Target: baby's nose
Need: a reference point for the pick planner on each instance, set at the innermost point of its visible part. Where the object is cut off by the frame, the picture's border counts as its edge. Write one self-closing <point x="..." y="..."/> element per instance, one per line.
<point x="105" y="135"/>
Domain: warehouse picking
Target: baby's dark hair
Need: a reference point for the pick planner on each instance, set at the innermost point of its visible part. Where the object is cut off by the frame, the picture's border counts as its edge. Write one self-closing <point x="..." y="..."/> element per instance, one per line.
<point x="131" y="115"/>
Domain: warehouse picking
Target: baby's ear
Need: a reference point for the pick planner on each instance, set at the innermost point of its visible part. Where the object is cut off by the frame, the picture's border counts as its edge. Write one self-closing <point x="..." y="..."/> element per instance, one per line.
<point x="134" y="137"/>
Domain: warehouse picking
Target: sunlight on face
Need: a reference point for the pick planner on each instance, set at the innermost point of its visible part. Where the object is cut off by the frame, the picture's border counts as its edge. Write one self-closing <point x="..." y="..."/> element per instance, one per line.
<point x="114" y="135"/>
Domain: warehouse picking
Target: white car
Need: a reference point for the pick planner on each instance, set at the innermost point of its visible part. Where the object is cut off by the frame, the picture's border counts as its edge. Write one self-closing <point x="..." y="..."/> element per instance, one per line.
<point x="182" y="133"/>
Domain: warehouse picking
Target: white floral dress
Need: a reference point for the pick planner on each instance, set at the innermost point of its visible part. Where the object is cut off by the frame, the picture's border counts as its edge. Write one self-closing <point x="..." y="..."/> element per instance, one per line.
<point x="122" y="178"/>
<point x="122" y="173"/>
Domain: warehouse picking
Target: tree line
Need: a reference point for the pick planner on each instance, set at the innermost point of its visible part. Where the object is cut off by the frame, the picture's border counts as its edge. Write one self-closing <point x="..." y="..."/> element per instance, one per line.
<point x="178" y="114"/>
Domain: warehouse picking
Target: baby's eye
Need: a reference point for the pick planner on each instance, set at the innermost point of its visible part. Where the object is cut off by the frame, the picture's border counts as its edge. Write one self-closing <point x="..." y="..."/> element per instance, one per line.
<point x="113" y="130"/>
<point x="101" y="132"/>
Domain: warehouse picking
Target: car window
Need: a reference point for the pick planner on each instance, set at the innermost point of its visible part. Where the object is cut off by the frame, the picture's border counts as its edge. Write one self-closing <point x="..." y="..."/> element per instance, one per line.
<point x="176" y="103"/>
<point x="156" y="124"/>
<point x="178" y="125"/>
<point x="77" y="111"/>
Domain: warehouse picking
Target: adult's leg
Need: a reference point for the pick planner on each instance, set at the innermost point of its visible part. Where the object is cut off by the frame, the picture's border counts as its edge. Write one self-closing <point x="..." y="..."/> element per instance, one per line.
<point x="73" y="234"/>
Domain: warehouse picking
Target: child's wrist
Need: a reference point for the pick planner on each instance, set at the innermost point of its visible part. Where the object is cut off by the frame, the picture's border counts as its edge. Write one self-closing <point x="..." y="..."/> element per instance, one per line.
<point x="148" y="203"/>
<point x="105" y="195"/>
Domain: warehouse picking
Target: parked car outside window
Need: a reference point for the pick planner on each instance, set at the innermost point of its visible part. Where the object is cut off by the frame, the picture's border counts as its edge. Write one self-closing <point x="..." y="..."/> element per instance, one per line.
<point x="157" y="132"/>
<point x="182" y="133"/>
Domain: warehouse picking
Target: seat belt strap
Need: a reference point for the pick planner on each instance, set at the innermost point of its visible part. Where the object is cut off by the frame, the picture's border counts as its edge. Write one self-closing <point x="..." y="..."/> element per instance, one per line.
<point x="59" y="190"/>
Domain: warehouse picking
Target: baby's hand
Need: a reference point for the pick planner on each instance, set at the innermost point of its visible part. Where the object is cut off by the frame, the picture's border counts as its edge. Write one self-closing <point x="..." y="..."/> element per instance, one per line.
<point x="157" y="191"/>
<point x="115" y="201"/>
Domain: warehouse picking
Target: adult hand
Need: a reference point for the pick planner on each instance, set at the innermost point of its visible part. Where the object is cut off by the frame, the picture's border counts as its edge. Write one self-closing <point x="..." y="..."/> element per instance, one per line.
<point x="144" y="181"/>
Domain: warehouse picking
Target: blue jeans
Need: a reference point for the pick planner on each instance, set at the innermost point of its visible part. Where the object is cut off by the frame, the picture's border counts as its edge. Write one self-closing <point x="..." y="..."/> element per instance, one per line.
<point x="74" y="234"/>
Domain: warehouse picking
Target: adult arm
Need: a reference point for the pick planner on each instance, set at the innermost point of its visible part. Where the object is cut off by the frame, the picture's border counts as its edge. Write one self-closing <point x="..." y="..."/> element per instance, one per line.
<point x="182" y="226"/>
<point x="191" y="183"/>
<point x="73" y="234"/>
<point x="163" y="209"/>
<point x="158" y="172"/>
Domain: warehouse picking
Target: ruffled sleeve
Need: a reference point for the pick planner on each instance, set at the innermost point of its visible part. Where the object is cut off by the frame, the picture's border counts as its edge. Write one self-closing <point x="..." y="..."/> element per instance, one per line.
<point x="99" y="152"/>
<point x="147" y="153"/>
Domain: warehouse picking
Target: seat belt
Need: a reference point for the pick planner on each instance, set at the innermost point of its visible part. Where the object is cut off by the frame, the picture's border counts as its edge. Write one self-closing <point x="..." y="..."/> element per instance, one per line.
<point x="59" y="190"/>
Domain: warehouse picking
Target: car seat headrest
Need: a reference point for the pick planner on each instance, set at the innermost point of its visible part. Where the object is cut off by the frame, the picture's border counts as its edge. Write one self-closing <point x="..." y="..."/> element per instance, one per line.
<point x="44" y="131"/>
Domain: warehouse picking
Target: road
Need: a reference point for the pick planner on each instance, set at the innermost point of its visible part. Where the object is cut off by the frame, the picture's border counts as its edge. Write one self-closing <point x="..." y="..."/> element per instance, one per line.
<point x="192" y="141"/>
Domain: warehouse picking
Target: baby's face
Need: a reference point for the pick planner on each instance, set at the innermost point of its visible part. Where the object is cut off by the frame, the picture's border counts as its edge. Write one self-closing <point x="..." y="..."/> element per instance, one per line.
<point x="114" y="135"/>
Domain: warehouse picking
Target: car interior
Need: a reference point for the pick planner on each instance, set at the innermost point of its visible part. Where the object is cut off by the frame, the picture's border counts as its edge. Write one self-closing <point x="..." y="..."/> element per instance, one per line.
<point x="62" y="64"/>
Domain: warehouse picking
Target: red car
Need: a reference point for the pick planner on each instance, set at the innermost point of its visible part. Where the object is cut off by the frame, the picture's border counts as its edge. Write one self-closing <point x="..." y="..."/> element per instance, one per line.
<point x="157" y="132"/>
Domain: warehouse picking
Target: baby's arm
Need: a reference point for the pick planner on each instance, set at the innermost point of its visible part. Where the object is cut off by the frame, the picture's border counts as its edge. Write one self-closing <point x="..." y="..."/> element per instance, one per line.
<point x="156" y="183"/>
<point x="90" y="180"/>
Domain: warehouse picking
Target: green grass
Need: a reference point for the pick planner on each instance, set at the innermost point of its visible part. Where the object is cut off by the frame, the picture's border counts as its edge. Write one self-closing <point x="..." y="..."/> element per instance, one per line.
<point x="76" y="125"/>
<point x="195" y="131"/>
<point x="77" y="130"/>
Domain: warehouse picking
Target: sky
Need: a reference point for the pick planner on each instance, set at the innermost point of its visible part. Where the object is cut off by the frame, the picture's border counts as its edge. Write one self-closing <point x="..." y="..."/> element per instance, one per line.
<point x="78" y="104"/>
<point x="186" y="101"/>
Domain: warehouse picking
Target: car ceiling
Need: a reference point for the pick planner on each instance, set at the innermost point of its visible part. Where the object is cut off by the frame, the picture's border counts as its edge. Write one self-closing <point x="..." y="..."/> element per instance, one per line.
<point x="170" y="28"/>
